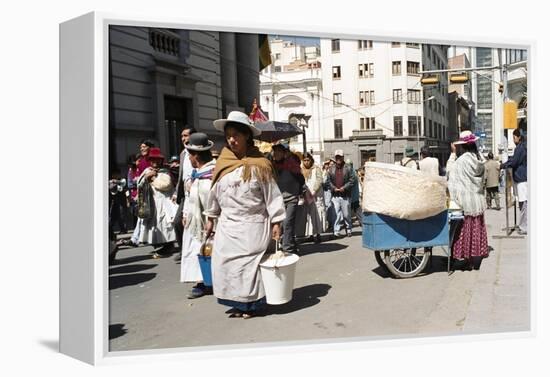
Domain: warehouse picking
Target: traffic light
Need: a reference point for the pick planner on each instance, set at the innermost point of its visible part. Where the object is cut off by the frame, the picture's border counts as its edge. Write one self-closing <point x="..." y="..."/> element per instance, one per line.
<point x="460" y="78"/>
<point x="430" y="80"/>
<point x="510" y="115"/>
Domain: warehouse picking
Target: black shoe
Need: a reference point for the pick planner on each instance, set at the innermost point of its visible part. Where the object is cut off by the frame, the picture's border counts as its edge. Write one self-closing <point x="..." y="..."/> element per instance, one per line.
<point x="349" y="234"/>
<point x="310" y="239"/>
<point x="317" y="238"/>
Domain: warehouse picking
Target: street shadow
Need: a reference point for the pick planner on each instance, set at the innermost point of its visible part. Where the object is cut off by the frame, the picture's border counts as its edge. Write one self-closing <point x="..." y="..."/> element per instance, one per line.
<point x="120" y="281"/>
<point x="438" y="263"/>
<point x="306" y="249"/>
<point x="302" y="298"/>
<point x="131" y="269"/>
<point x="52" y="345"/>
<point x="116" y="331"/>
<point x="382" y="272"/>
<point x="135" y="258"/>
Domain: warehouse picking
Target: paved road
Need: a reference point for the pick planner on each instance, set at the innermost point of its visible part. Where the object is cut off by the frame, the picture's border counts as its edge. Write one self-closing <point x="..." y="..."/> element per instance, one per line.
<point x="340" y="292"/>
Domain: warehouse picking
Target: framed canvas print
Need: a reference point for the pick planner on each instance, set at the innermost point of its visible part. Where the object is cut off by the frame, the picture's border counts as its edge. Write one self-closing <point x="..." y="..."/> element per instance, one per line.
<point x="248" y="189"/>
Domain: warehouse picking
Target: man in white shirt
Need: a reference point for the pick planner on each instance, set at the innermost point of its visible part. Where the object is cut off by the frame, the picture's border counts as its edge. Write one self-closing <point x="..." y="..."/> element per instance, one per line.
<point x="179" y="196"/>
<point x="428" y="164"/>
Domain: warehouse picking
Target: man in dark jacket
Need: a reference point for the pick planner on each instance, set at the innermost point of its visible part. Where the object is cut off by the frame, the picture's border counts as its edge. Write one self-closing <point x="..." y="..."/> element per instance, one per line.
<point x="518" y="163"/>
<point x="290" y="181"/>
<point x="341" y="179"/>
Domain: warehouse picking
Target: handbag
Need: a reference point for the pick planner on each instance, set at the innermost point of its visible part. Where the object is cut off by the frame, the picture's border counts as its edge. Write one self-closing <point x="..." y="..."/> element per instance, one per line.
<point x="145" y="201"/>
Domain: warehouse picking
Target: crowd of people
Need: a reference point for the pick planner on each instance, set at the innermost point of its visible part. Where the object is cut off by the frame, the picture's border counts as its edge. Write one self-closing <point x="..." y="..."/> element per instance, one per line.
<point x="241" y="199"/>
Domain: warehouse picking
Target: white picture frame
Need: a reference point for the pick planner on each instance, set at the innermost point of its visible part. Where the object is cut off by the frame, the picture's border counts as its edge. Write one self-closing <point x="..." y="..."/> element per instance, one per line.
<point x="84" y="132"/>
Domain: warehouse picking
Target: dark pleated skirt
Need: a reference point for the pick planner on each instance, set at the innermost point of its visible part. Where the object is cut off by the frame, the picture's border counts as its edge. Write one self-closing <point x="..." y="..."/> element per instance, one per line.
<point x="472" y="239"/>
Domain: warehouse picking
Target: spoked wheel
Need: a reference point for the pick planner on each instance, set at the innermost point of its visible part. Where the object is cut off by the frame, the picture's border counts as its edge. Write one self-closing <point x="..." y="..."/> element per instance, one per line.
<point x="379" y="258"/>
<point x="406" y="263"/>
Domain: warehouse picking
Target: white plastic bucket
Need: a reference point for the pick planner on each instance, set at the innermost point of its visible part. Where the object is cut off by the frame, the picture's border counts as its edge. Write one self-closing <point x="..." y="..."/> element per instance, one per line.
<point x="278" y="278"/>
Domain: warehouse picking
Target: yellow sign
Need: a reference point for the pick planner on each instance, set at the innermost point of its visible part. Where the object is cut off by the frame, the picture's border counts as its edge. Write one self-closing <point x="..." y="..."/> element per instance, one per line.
<point x="510" y="115"/>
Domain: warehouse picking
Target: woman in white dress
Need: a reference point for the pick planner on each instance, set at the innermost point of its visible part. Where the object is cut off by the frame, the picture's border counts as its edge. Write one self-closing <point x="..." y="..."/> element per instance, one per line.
<point x="197" y="188"/>
<point x="157" y="229"/>
<point x="313" y="198"/>
<point x="249" y="210"/>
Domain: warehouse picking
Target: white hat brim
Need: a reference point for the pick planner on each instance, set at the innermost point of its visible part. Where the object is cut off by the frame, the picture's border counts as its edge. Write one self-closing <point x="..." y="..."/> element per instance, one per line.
<point x="220" y="126"/>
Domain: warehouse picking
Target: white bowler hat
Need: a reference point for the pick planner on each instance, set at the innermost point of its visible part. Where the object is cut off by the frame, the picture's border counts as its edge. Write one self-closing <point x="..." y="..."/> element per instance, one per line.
<point x="237" y="117"/>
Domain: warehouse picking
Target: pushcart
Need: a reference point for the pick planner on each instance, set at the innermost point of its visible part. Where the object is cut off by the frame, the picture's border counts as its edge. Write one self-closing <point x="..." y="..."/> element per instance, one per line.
<point x="404" y="247"/>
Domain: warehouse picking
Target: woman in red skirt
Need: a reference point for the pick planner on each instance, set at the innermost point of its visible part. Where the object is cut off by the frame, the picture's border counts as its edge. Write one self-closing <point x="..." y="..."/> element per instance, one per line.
<point x="466" y="189"/>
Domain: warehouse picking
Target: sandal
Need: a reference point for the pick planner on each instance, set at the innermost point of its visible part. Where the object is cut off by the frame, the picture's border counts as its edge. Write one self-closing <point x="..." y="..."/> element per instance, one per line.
<point x="236" y="315"/>
<point x="247" y="315"/>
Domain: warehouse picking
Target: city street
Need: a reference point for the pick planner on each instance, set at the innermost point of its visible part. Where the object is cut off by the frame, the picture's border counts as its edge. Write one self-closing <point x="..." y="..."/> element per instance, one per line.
<point x="340" y="293"/>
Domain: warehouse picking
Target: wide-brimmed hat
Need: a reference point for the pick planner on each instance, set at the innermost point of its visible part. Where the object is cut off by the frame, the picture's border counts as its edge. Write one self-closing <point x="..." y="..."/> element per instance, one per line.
<point x="237" y="117"/>
<point x="409" y="151"/>
<point x="198" y="142"/>
<point x="339" y="152"/>
<point x="466" y="137"/>
<point x="154" y="152"/>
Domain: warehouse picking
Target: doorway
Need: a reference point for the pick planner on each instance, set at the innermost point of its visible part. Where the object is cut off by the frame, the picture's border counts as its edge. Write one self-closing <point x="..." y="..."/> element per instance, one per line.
<point x="176" y="116"/>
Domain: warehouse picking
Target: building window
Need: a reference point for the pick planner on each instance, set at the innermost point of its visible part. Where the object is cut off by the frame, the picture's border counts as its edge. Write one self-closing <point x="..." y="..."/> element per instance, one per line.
<point x="396" y="68"/>
<point x="413" y="126"/>
<point x="371" y="69"/>
<point x="397" y="157"/>
<point x="338" y="128"/>
<point x="425" y="127"/>
<point x="335" y="45"/>
<point x="413" y="45"/>
<point x="361" y="70"/>
<point x="336" y="72"/>
<point x="413" y="96"/>
<point x="277" y="56"/>
<point x="363" y="97"/>
<point x="277" y="68"/>
<point x="362" y="122"/>
<point x="396" y="44"/>
<point x="413" y="68"/>
<point x="428" y="50"/>
<point x="430" y="128"/>
<point x="366" y="97"/>
<point x="364" y="45"/>
<point x="397" y="96"/>
<point x="337" y="99"/>
<point x="398" y="126"/>
<point x="372" y="123"/>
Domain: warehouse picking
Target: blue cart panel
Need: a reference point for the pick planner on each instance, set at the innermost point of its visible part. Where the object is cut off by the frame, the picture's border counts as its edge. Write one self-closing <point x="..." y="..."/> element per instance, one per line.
<point x="381" y="232"/>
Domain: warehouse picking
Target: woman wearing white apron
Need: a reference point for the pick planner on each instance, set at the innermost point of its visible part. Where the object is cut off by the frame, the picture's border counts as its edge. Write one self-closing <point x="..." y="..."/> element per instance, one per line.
<point x="197" y="188"/>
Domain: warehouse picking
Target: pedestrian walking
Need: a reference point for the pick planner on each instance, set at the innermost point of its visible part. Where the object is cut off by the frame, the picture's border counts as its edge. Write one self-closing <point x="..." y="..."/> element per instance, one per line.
<point x="194" y="221"/>
<point x="142" y="163"/>
<point x="466" y="189"/>
<point x="341" y="179"/>
<point x="118" y="202"/>
<point x="492" y="177"/>
<point x="290" y="181"/>
<point x="518" y="163"/>
<point x="249" y="209"/>
<point x="408" y="161"/>
<point x="330" y="215"/>
<point x="428" y="164"/>
<point x="157" y="210"/>
<point x="313" y="198"/>
<point x="184" y="173"/>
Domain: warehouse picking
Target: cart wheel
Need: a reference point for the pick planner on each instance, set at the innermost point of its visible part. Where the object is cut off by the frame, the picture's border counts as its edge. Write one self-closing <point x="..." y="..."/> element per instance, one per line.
<point x="380" y="260"/>
<point x="406" y="263"/>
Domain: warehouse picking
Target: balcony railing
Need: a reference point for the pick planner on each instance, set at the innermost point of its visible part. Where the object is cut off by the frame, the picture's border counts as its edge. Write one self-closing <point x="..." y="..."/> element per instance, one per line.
<point x="165" y="42"/>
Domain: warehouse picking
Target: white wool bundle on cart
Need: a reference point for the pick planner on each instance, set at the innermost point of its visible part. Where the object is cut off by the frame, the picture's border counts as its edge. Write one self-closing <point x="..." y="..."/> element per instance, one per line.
<point x="402" y="192"/>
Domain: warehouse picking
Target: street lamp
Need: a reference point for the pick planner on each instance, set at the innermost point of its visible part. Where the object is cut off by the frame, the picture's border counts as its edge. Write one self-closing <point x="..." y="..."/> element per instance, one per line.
<point x="418" y="126"/>
<point x="296" y="119"/>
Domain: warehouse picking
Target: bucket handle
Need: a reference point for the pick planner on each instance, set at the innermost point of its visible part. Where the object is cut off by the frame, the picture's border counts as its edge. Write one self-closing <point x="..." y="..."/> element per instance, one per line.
<point x="279" y="253"/>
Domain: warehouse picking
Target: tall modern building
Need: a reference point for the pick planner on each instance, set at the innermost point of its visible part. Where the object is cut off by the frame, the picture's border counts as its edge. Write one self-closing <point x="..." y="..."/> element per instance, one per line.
<point x="374" y="105"/>
<point x="162" y="79"/>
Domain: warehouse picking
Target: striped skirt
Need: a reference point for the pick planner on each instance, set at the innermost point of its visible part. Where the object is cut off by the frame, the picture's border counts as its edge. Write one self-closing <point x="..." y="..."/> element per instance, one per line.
<point x="471" y="240"/>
